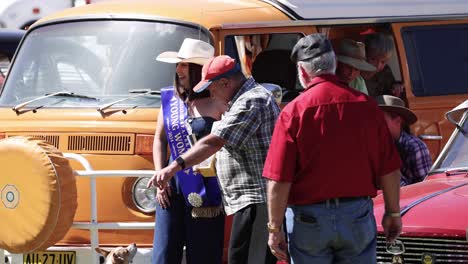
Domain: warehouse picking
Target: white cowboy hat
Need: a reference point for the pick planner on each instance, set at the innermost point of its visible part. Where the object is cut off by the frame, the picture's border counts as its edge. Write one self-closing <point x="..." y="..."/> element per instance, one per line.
<point x="354" y="53"/>
<point x="191" y="51"/>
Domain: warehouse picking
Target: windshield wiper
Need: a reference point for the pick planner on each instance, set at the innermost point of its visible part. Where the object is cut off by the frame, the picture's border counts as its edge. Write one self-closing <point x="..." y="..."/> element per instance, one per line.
<point x="140" y="93"/>
<point x="18" y="107"/>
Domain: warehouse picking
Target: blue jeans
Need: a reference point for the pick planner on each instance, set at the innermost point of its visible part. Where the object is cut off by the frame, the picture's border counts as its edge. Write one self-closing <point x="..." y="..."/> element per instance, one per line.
<point x="332" y="232"/>
<point x="175" y="227"/>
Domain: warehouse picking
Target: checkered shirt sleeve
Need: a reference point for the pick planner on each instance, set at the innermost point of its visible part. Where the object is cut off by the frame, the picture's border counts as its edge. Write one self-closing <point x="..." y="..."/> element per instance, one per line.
<point x="247" y="128"/>
<point x="416" y="159"/>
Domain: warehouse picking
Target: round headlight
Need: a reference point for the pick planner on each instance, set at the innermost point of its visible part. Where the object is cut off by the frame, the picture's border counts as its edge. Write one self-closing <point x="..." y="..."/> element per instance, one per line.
<point x="144" y="198"/>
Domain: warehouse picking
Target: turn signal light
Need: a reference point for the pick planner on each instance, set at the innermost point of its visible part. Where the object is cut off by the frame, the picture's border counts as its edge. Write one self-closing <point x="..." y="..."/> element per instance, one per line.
<point x="144" y="144"/>
<point x="2" y="135"/>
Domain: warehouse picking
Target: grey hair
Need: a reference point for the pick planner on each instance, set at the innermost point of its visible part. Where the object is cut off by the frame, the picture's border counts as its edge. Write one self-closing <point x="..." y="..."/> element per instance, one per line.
<point x="324" y="64"/>
<point x="378" y="45"/>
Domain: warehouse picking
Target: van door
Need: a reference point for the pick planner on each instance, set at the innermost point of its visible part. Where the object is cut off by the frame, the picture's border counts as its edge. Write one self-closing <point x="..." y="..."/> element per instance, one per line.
<point x="264" y="53"/>
<point x="434" y="61"/>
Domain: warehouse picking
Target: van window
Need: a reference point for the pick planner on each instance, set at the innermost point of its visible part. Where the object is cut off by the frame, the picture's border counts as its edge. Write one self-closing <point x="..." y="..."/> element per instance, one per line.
<point x="267" y="58"/>
<point x="437" y="59"/>
<point x="106" y="60"/>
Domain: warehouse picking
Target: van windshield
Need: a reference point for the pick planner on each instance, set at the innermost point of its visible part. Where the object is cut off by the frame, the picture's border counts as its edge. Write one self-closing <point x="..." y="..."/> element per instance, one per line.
<point x="106" y="60"/>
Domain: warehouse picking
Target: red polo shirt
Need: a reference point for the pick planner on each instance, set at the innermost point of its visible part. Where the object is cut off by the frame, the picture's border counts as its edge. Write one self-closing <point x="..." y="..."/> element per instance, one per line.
<point x="331" y="141"/>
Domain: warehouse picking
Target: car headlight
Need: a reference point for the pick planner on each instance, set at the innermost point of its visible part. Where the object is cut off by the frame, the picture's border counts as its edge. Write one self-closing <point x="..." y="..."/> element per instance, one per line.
<point x="144" y="198"/>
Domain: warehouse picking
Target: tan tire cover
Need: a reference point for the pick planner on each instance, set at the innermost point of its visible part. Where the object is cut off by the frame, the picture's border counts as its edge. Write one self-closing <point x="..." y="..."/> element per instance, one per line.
<point x="38" y="195"/>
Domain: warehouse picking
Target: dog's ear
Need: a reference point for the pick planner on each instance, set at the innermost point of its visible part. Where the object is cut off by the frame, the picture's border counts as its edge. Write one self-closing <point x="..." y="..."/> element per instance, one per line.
<point x="102" y="251"/>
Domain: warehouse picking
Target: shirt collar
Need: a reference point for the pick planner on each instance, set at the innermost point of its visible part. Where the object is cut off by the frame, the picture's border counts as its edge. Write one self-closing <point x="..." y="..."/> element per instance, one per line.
<point x="324" y="78"/>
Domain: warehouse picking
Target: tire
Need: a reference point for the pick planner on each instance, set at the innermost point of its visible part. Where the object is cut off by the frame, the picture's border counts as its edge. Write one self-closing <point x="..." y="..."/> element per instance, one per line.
<point x="38" y="195"/>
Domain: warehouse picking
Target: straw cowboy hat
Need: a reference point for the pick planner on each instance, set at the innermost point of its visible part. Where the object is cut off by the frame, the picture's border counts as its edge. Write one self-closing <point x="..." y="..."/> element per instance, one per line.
<point x="354" y="53"/>
<point x="395" y="105"/>
<point x="191" y="51"/>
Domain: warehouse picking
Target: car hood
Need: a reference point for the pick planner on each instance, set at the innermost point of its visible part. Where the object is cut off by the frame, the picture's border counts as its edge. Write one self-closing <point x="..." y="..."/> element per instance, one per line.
<point x="438" y="206"/>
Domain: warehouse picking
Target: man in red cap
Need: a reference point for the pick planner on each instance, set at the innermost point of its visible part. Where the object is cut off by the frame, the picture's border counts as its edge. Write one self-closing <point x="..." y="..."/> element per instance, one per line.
<point x="240" y="140"/>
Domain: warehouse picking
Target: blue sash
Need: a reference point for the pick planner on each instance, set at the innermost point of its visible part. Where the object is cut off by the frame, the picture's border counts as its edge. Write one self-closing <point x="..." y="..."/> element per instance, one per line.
<point x="198" y="191"/>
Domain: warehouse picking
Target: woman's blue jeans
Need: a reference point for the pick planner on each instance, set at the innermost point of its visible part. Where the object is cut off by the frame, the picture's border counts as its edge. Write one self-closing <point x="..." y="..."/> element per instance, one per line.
<point x="332" y="232"/>
<point x="175" y="227"/>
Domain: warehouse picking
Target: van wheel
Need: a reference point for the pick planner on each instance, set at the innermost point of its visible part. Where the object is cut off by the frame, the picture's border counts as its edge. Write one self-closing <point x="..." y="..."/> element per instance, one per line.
<point x="38" y="195"/>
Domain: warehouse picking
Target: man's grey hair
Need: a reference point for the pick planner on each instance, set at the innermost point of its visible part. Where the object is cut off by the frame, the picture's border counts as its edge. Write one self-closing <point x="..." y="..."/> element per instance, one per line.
<point x="324" y="64"/>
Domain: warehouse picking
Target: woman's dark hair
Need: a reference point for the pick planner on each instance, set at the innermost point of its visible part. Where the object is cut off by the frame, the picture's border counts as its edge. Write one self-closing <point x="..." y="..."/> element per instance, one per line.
<point x="194" y="78"/>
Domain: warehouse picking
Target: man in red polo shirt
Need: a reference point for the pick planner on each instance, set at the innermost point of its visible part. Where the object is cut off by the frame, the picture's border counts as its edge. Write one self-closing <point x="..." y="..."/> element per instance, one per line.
<point x="332" y="151"/>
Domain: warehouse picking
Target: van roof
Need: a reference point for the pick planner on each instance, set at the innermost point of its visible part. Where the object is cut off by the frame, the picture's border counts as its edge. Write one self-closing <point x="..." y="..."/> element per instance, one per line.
<point x="208" y="13"/>
<point x="346" y="9"/>
<point x="266" y="13"/>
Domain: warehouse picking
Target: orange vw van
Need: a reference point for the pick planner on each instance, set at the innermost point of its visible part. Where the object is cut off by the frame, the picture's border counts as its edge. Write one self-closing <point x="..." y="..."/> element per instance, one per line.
<point x="79" y="106"/>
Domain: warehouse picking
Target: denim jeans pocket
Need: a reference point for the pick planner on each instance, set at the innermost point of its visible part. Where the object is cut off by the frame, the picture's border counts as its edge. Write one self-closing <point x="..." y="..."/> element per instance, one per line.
<point x="364" y="228"/>
<point x="307" y="234"/>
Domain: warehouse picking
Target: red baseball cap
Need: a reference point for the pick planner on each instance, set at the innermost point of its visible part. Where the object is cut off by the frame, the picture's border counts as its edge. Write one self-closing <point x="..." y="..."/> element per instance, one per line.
<point x="216" y="68"/>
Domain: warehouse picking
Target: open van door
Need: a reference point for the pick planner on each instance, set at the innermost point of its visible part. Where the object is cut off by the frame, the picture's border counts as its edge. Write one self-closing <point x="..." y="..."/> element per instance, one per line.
<point x="263" y="51"/>
<point x="434" y="64"/>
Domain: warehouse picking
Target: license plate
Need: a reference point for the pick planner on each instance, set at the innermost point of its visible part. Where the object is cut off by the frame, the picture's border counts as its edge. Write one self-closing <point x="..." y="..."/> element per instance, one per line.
<point x="50" y="257"/>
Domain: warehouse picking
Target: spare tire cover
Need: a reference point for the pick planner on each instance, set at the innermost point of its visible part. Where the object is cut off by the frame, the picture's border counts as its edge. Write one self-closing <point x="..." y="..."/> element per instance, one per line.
<point x="38" y="195"/>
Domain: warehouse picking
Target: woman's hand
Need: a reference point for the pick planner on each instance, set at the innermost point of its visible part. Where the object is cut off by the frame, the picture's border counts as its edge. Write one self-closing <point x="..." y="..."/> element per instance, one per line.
<point x="162" y="193"/>
<point x="162" y="196"/>
<point x="398" y="89"/>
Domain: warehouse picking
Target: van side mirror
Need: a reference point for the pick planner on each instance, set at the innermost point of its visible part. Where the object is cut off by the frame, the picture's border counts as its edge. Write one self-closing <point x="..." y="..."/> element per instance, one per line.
<point x="456" y="115"/>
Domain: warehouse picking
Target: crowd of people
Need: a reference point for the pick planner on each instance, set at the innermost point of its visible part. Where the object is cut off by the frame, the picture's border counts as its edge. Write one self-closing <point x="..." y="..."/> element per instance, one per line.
<point x="308" y="197"/>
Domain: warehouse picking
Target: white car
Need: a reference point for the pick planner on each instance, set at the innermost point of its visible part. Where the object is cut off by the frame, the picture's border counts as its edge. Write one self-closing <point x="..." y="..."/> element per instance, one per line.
<point x="20" y="14"/>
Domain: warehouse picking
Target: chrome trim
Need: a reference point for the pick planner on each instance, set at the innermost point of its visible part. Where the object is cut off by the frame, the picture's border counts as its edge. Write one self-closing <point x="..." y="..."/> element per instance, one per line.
<point x="341" y="21"/>
<point x="281" y="7"/>
<point x="446" y="250"/>
<point x="427" y="197"/>
<point x="442" y="155"/>
<point x="430" y="137"/>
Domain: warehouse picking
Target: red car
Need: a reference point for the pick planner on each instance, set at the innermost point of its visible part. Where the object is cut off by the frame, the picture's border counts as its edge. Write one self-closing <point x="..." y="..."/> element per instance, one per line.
<point x="435" y="211"/>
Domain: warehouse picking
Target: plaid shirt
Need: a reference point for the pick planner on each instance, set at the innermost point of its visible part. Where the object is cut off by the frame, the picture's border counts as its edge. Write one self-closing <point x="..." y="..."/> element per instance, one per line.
<point x="247" y="127"/>
<point x="415" y="157"/>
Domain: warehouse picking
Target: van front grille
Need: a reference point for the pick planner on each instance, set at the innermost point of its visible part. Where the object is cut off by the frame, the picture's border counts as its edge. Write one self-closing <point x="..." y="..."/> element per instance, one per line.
<point x="84" y="143"/>
<point x="51" y="139"/>
<point x="445" y="250"/>
<point x="92" y="144"/>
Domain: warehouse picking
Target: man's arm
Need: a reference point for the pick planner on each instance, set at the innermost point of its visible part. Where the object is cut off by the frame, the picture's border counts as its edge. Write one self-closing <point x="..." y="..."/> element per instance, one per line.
<point x="202" y="150"/>
<point x="421" y="162"/>
<point x="391" y="220"/>
<point x="277" y="194"/>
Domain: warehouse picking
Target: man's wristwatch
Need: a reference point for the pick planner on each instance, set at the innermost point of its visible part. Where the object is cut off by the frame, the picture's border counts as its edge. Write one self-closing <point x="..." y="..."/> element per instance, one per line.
<point x="181" y="162"/>
<point x="273" y="229"/>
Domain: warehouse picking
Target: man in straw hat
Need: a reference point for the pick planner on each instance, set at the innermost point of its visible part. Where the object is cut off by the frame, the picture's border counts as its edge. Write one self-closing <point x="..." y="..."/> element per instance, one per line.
<point x="329" y="156"/>
<point x="351" y="61"/>
<point x="413" y="151"/>
<point x="240" y="140"/>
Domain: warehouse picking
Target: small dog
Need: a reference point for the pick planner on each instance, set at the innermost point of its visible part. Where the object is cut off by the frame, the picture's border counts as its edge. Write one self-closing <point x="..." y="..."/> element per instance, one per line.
<point x="119" y="255"/>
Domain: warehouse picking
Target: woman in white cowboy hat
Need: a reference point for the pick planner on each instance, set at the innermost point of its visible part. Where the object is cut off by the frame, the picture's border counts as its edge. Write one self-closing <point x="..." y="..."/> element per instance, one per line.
<point x="189" y="210"/>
